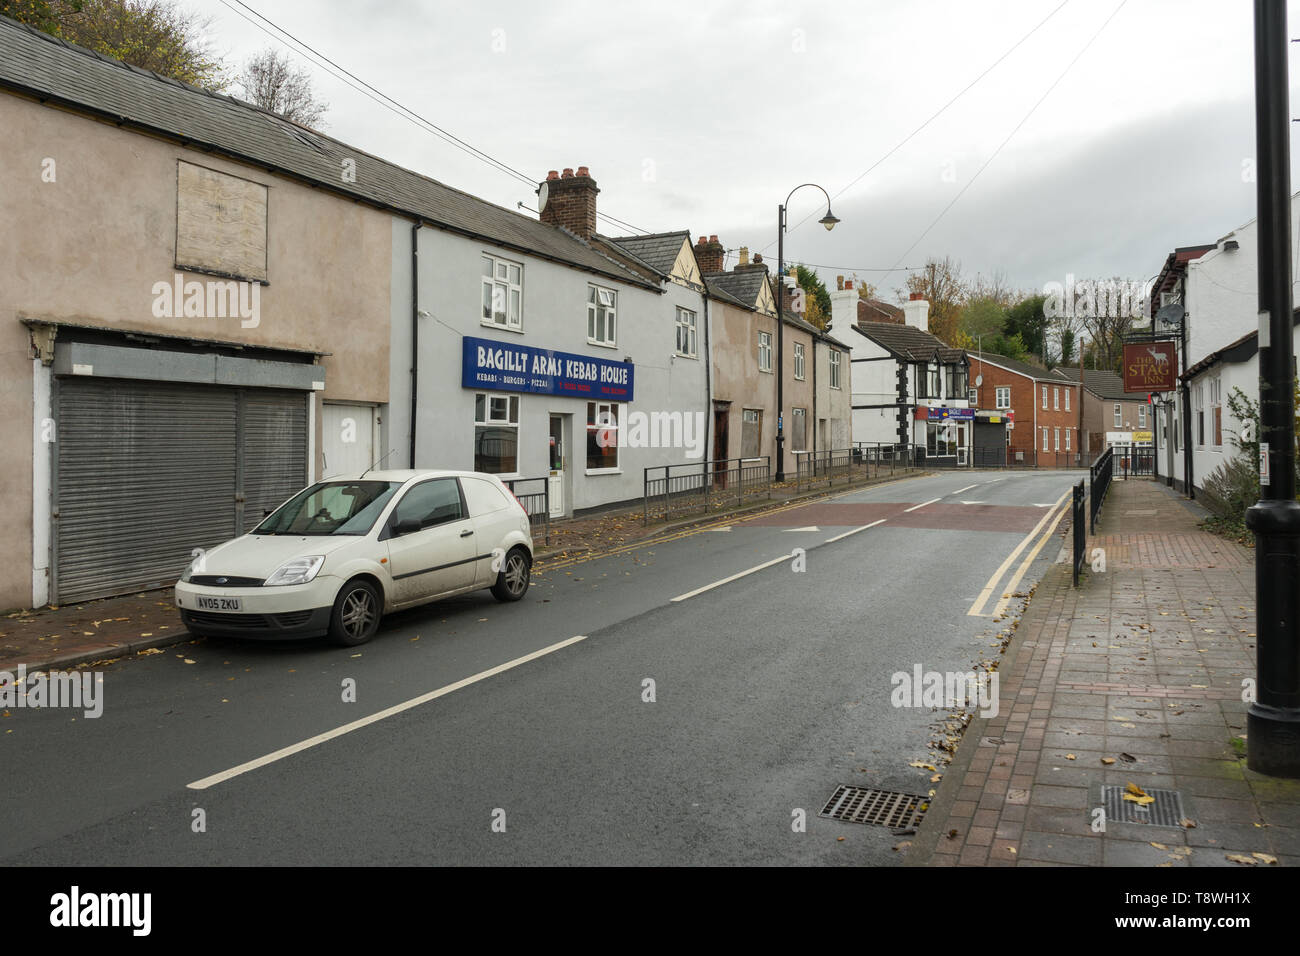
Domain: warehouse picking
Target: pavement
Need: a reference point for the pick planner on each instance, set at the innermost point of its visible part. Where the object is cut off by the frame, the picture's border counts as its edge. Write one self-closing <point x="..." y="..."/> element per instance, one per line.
<point x="109" y="629"/>
<point x="1132" y="681"/>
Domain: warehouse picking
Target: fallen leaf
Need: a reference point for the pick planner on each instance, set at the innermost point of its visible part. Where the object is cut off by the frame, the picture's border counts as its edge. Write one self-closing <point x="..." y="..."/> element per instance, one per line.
<point x="1070" y="757"/>
<point x="1108" y="760"/>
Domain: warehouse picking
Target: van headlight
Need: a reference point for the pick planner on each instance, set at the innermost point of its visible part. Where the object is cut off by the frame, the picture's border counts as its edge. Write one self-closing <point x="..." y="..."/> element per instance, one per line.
<point x="297" y="571"/>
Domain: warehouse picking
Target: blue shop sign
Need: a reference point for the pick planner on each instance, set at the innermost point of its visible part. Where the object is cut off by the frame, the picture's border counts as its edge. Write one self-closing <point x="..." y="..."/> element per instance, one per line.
<point x="503" y="367"/>
<point x="952" y="414"/>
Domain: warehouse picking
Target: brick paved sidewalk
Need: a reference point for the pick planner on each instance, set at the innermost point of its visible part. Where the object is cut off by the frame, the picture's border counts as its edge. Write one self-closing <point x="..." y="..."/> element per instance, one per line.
<point x="1136" y="677"/>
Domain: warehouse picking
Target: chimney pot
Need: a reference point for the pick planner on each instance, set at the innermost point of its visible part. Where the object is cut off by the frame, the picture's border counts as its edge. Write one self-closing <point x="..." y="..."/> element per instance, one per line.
<point x="744" y="255"/>
<point x="758" y="258"/>
<point x="713" y="238"/>
<point x="702" y="240"/>
<point x="553" y="174"/>
<point x="568" y="172"/>
<point x="582" y="171"/>
<point x="916" y="296"/>
<point x="711" y="255"/>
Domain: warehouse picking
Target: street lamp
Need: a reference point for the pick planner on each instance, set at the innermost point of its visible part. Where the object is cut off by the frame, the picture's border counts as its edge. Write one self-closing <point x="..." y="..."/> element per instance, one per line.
<point x="829" y="220"/>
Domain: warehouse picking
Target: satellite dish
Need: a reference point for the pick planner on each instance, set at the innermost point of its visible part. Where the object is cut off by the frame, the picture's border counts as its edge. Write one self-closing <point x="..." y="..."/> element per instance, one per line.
<point x="1170" y="315"/>
<point x="979" y="380"/>
<point x="543" y="191"/>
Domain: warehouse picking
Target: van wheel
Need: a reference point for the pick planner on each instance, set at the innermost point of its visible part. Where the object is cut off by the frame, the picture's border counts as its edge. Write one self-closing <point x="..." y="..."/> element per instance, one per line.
<point x="356" y="615"/>
<point x="512" y="579"/>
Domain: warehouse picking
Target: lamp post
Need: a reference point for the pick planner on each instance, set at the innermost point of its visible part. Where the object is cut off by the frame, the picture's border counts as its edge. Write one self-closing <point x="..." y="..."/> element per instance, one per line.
<point x="1273" y="718"/>
<point x="829" y="222"/>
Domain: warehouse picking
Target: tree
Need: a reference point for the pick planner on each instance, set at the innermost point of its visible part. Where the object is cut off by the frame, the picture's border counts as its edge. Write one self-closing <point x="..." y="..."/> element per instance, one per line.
<point x="272" y="81"/>
<point x="817" y="300"/>
<point x="1027" y="320"/>
<point x="155" y="35"/>
<point x="940" y="282"/>
<point x="983" y="316"/>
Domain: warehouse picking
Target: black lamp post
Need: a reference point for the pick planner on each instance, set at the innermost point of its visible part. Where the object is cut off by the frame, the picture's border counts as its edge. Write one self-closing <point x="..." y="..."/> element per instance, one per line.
<point x="1273" y="718"/>
<point x="829" y="222"/>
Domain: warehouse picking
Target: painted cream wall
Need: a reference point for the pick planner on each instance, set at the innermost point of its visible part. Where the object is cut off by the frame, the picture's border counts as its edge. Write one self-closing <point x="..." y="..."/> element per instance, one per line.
<point x="833" y="404"/>
<point x="90" y="246"/>
<point x="798" y="393"/>
<point x="736" y="377"/>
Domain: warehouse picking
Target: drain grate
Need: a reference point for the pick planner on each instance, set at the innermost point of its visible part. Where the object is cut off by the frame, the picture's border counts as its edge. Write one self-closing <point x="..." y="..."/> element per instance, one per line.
<point x="884" y="808"/>
<point x="1167" y="811"/>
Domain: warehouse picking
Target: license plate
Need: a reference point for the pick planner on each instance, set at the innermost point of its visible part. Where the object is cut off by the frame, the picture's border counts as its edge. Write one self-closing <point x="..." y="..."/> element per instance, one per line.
<point x="217" y="603"/>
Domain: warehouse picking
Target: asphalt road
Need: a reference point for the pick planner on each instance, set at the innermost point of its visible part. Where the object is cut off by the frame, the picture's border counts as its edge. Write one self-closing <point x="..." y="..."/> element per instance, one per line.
<point x="769" y="690"/>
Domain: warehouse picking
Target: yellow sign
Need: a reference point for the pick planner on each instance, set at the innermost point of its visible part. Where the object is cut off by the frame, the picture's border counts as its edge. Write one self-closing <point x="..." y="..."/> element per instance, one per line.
<point x="1142" y="436"/>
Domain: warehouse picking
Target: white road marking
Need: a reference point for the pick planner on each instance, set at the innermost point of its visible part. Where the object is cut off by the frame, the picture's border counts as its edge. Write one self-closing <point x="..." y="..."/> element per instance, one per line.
<point x="967" y="488"/>
<point x="854" y="531"/>
<point x="923" y="504"/>
<point x="811" y="527"/>
<point x="310" y="742"/>
<point x="974" y="502"/>
<point x="1020" y="573"/>
<point x="977" y="608"/>
<point x="1039" y="504"/>
<point x="734" y="577"/>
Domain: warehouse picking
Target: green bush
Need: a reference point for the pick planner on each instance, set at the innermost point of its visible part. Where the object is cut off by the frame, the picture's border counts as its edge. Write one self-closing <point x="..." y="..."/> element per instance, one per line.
<point x="1230" y="489"/>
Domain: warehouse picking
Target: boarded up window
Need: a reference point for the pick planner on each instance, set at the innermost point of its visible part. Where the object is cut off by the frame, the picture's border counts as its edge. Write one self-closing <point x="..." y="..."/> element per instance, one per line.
<point x="220" y="223"/>
<point x="798" y="427"/>
<point x="751" y="433"/>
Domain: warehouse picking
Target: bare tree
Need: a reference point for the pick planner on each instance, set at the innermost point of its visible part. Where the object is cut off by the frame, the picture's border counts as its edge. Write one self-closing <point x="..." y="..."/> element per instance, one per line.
<point x="941" y="283"/>
<point x="272" y="81"/>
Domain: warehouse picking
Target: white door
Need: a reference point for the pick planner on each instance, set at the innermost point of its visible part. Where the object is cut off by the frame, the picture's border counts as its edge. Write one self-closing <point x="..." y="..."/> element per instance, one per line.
<point x="348" y="438"/>
<point x="557" y="466"/>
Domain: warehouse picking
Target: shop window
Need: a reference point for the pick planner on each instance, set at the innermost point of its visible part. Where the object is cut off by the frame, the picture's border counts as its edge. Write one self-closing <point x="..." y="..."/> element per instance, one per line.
<point x="496" y="434"/>
<point x="602" y="436"/>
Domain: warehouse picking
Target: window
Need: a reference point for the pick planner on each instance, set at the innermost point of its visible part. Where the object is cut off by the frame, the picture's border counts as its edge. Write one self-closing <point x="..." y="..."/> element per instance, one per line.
<point x="798" y="429"/>
<point x="1067" y="434"/>
<point x="935" y="384"/>
<point x="765" y="351"/>
<point x="1067" y="403"/>
<point x="973" y="397"/>
<point x="1003" y="396"/>
<point x="1199" y="406"/>
<point x="835" y="368"/>
<point x="496" y="434"/>
<point x="1056" y="439"/>
<point x="751" y="432"/>
<point x="1142" y="416"/>
<point x="798" y="361"/>
<point x="1044" y="433"/>
<point x="941" y="438"/>
<point x="429" y="503"/>
<point x="956" y="380"/>
<point x="1216" y="411"/>
<point x="686" y="333"/>
<point x="602" y="310"/>
<point x="1044" y="399"/>
<point x="1056" y="398"/>
<point x="1119" y="416"/>
<point x="602" y="436"/>
<point x="503" y="293"/>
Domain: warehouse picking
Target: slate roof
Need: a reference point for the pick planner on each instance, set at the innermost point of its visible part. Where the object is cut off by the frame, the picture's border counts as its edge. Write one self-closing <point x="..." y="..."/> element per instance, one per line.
<point x="61" y="73"/>
<point x="908" y="342"/>
<point x="659" y="250"/>
<point x="719" y="292"/>
<point x="1035" y="372"/>
<point x="1101" y="382"/>
<point x="741" y="285"/>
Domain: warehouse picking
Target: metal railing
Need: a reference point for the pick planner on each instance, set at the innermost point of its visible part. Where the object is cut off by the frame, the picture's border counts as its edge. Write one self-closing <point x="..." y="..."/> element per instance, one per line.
<point x="864" y="461"/>
<point x="700" y="487"/>
<point x="536" y="503"/>
<point x="1080" y="529"/>
<point x="1134" y="461"/>
<point x="1098" y="484"/>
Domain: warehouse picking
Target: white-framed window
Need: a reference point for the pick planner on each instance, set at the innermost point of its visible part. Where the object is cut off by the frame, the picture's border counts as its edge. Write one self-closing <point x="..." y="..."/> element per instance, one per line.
<point x="602" y="314"/>
<point x="1067" y="404"/>
<point x="503" y="293"/>
<point x="602" y="438"/>
<point x="496" y="433"/>
<point x="1002" y="396"/>
<point x="835" y="368"/>
<point x="1056" y="398"/>
<point x="1119" y="416"/>
<point x="765" y="351"/>
<point x="1056" y="439"/>
<point x="686" y="333"/>
<point x="972" y="397"/>
<point x="1044" y="430"/>
<point x="1067" y="435"/>
<point x="798" y="361"/>
<point x="1044" y="402"/>
<point x="1142" y="416"/>
<point x="1216" y="412"/>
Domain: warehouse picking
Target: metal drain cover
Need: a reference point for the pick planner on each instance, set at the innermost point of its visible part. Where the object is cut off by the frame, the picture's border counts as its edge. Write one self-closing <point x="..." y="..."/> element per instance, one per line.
<point x="1167" y="811"/>
<point x="884" y="808"/>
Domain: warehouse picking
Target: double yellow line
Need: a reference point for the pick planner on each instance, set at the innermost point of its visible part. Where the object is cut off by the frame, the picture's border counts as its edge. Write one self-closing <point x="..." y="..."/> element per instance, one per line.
<point x="977" y="609"/>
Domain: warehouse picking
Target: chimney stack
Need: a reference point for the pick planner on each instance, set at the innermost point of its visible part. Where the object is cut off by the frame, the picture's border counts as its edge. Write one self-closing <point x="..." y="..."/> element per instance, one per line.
<point x="710" y="254"/>
<point x="571" y="201"/>
<point x="916" y="312"/>
<point x="744" y="257"/>
<point x="844" y="304"/>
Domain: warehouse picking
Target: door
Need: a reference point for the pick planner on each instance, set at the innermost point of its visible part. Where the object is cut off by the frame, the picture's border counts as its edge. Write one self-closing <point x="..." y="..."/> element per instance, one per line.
<point x="721" y="416"/>
<point x="558" y="466"/>
<point x="348" y="438"/>
<point x="438" y="556"/>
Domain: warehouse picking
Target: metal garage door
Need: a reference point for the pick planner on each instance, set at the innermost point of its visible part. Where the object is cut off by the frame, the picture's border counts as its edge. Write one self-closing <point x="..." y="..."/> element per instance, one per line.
<point x="147" y="472"/>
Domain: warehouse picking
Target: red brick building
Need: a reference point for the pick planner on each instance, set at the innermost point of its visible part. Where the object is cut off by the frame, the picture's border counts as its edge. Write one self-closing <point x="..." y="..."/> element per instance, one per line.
<point x="1043" y="409"/>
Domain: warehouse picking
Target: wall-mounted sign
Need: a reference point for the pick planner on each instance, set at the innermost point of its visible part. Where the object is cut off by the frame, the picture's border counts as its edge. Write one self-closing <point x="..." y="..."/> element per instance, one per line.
<point x="505" y="367"/>
<point x="952" y="414"/>
<point x="1150" y="367"/>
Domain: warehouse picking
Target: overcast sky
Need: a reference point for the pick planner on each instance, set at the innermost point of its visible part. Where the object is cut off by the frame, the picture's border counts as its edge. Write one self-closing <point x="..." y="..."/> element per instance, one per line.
<point x="704" y="115"/>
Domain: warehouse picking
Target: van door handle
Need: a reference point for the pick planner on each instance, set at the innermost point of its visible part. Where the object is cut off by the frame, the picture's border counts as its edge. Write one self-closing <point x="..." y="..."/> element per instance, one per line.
<point x="466" y="533"/>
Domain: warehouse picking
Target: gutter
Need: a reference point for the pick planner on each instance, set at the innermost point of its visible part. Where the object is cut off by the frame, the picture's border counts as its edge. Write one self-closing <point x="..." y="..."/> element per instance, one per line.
<point x="415" y="329"/>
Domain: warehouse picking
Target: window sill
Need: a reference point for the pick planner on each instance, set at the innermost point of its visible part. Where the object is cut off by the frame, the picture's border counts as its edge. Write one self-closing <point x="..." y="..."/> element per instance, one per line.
<point x="684" y="355"/>
<point x="602" y="345"/>
<point x="501" y="328"/>
<point x="603" y="471"/>
<point x="765" y="371"/>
